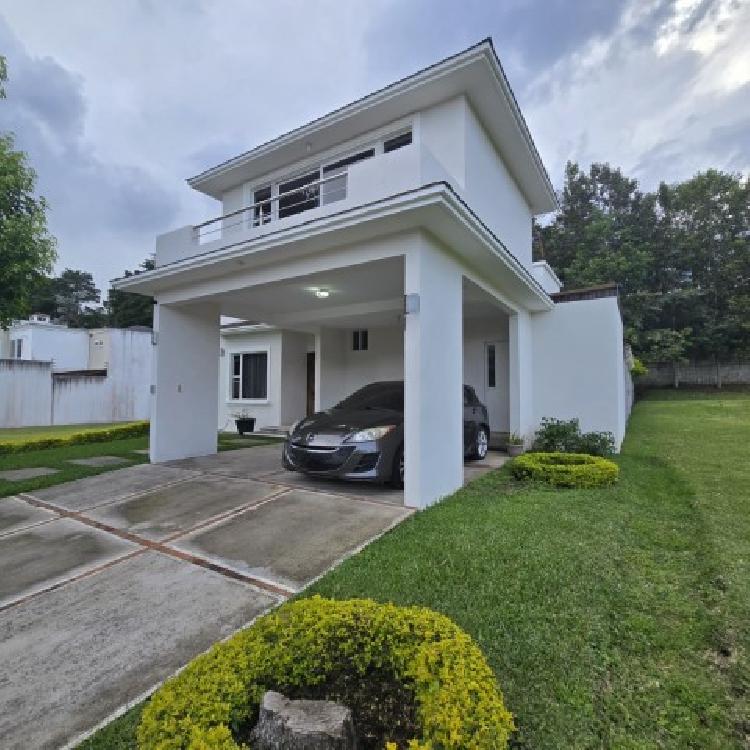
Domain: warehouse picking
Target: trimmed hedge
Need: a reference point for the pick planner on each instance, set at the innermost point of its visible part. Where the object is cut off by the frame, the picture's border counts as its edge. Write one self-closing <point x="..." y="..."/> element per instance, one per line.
<point x="303" y="643"/>
<point x="104" y="435"/>
<point x="572" y="470"/>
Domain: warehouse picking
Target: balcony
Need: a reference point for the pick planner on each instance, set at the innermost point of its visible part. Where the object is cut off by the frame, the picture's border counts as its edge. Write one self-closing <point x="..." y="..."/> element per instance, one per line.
<point x="358" y="184"/>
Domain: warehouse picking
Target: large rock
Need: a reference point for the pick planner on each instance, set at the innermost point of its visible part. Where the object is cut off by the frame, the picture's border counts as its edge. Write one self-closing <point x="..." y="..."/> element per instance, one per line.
<point x="285" y="724"/>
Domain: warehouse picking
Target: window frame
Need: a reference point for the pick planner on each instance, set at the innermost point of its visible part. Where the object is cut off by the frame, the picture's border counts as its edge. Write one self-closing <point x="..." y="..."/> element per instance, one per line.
<point x="360" y="336"/>
<point x="231" y="376"/>
<point x="490" y="364"/>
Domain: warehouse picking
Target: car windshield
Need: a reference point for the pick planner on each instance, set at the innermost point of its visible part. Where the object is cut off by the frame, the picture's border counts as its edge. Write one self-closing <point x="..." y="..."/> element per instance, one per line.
<point x="376" y="396"/>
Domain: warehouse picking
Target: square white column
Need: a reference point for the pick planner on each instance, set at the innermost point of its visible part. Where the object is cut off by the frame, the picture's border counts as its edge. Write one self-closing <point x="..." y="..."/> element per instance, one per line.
<point x="185" y="380"/>
<point x="433" y="375"/>
<point x="520" y="375"/>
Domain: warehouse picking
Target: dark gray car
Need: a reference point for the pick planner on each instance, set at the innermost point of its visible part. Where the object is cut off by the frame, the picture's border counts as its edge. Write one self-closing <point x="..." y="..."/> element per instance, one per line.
<point x="362" y="438"/>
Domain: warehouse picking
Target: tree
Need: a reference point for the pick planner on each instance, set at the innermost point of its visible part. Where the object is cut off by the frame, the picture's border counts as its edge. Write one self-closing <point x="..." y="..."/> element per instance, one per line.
<point x="127" y="309"/>
<point x="72" y="290"/>
<point x="27" y="250"/>
<point x="681" y="257"/>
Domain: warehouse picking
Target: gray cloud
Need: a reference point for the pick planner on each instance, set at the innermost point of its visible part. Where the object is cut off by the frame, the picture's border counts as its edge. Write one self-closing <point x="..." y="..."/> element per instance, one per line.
<point x="104" y="215"/>
<point x="117" y="103"/>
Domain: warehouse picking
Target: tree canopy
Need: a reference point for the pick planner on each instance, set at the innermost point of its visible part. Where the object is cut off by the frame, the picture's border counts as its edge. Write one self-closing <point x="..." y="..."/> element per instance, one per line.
<point x="126" y="309"/>
<point x="680" y="255"/>
<point x="27" y="250"/>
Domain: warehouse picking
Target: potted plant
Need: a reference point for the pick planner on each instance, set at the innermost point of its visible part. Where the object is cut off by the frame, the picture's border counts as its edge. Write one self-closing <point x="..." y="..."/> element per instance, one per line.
<point x="244" y="422"/>
<point x="514" y="445"/>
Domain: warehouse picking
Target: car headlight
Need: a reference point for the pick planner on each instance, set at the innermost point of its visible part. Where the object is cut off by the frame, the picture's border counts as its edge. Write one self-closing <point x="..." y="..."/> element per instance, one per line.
<point x="371" y="433"/>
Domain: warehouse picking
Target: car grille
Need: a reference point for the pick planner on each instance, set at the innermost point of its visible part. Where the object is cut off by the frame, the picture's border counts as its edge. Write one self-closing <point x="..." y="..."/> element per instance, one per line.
<point x="319" y="459"/>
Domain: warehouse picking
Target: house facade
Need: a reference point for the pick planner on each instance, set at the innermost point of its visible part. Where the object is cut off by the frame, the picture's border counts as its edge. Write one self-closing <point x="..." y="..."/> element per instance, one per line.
<point x="391" y="238"/>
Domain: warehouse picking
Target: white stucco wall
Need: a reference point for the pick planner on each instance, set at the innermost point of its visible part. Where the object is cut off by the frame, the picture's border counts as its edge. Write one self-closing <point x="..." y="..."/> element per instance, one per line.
<point x="493" y="194"/>
<point x="268" y="411"/>
<point x="66" y="348"/>
<point x="433" y="375"/>
<point x="578" y="370"/>
<point x="383" y="359"/>
<point x="478" y="332"/>
<point x="442" y="130"/>
<point x="294" y="349"/>
<point x="129" y="372"/>
<point x="186" y="381"/>
<point x="330" y="356"/>
<point x="25" y="393"/>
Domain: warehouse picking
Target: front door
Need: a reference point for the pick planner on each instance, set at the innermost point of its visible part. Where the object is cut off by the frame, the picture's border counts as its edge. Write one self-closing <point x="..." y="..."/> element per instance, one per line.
<point x="310" y="383"/>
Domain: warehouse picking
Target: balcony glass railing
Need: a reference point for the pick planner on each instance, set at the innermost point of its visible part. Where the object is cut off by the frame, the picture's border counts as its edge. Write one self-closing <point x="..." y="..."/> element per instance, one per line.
<point x="295" y="196"/>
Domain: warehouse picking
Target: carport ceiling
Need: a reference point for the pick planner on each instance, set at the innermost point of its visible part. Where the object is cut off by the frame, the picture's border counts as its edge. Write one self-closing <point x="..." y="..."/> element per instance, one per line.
<point x="370" y="289"/>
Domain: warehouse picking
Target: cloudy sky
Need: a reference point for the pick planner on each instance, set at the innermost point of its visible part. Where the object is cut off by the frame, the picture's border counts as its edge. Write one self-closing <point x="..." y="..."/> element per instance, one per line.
<point x="117" y="103"/>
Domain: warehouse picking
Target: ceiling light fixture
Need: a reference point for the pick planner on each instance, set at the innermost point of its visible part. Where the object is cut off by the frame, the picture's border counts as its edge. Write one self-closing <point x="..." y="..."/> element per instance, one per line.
<point x="321" y="293"/>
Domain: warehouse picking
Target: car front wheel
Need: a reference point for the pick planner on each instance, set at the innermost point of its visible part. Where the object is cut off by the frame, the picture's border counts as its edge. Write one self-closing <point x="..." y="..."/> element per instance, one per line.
<point x="481" y="444"/>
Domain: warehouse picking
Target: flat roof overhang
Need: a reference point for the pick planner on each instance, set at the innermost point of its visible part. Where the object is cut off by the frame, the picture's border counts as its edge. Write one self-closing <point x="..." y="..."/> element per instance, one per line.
<point x="435" y="208"/>
<point x="475" y="73"/>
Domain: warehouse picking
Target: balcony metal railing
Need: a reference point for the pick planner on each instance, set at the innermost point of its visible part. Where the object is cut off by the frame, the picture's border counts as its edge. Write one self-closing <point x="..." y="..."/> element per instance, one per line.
<point x="314" y="194"/>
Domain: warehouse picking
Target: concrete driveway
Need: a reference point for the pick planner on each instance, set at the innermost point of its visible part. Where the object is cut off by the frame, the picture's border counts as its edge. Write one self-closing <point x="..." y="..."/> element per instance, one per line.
<point x="110" y="584"/>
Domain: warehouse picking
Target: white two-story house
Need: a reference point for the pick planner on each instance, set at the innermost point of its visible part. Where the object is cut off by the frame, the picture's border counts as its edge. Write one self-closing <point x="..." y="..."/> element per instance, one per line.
<point x="389" y="239"/>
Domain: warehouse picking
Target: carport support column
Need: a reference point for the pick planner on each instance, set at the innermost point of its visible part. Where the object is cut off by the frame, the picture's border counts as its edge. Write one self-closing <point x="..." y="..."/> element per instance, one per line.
<point x="520" y="376"/>
<point x="184" y="405"/>
<point x="433" y="367"/>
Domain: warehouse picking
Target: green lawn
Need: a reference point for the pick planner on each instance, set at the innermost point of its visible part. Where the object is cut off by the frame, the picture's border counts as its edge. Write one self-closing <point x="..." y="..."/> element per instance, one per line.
<point x="57" y="458"/>
<point x="615" y="618"/>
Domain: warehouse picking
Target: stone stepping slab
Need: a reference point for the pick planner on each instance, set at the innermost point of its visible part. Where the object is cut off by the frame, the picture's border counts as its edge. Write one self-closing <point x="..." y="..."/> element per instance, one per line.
<point x="141" y="451"/>
<point x="99" y="461"/>
<point x="18" y="475"/>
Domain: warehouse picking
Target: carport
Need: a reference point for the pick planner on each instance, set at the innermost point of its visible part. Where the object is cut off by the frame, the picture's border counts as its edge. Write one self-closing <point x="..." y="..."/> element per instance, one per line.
<point x="438" y="306"/>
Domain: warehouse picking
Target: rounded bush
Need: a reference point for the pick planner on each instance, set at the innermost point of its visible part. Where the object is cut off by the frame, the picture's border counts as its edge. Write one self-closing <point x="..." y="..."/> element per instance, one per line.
<point x="573" y="470"/>
<point x="210" y="704"/>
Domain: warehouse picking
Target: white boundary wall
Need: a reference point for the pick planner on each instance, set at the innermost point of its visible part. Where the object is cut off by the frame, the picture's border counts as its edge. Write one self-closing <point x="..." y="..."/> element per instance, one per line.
<point x="578" y="367"/>
<point x="32" y="394"/>
<point x="25" y="393"/>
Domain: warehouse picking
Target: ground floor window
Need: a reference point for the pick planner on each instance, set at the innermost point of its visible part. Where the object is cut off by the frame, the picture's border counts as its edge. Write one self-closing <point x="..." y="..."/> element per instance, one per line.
<point x="250" y="375"/>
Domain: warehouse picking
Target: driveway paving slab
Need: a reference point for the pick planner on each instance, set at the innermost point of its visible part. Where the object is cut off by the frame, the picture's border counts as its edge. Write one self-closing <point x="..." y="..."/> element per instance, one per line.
<point x="15" y="514"/>
<point x="249" y="463"/>
<point x="178" y="507"/>
<point x="40" y="556"/>
<point x="73" y="656"/>
<point x="111" y="486"/>
<point x="294" y="538"/>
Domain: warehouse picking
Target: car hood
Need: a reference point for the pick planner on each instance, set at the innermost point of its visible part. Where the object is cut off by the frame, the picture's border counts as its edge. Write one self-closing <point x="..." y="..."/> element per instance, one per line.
<point x="340" y="423"/>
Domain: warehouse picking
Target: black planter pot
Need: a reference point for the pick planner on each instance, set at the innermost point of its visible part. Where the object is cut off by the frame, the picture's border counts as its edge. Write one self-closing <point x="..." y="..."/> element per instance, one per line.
<point x="246" y="424"/>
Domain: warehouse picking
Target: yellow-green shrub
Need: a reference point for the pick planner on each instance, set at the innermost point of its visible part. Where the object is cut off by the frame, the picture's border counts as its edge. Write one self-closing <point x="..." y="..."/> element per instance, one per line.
<point x="572" y="470"/>
<point x="103" y="435"/>
<point x="459" y="704"/>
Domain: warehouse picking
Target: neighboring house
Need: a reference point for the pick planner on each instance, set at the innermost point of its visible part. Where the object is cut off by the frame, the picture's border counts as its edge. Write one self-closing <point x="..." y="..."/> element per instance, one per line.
<point x="52" y="374"/>
<point x="390" y="238"/>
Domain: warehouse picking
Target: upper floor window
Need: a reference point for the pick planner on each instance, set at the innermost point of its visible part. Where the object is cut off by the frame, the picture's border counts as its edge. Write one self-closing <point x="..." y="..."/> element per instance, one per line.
<point x="398" y="141"/>
<point x="299" y="194"/>
<point x="262" y="208"/>
<point x="316" y="187"/>
<point x="16" y="348"/>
